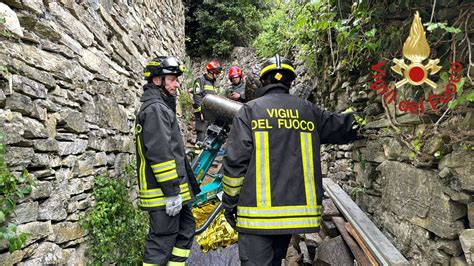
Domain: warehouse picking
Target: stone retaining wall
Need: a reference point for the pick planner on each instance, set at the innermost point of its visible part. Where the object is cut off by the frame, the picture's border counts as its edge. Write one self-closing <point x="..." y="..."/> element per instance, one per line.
<point x="423" y="203"/>
<point x="67" y="104"/>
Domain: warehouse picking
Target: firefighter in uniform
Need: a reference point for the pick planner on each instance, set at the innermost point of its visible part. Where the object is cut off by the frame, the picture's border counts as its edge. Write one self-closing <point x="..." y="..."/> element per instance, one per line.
<point x="236" y="91"/>
<point x="204" y="85"/>
<point x="165" y="177"/>
<point x="272" y="172"/>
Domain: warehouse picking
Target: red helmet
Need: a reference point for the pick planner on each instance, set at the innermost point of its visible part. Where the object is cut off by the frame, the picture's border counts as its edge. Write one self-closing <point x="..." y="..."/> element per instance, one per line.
<point x="235" y="71"/>
<point x="214" y="66"/>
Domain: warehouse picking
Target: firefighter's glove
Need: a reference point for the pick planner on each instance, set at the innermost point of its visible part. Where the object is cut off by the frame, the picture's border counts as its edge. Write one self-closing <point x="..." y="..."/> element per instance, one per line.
<point x="196" y="108"/>
<point x="359" y="121"/>
<point x="173" y="205"/>
<point x="230" y="216"/>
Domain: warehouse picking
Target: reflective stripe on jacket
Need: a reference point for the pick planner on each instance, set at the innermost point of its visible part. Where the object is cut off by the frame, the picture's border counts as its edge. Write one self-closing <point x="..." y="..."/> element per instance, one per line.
<point x="272" y="169"/>
<point x="202" y="87"/>
<point x="160" y="152"/>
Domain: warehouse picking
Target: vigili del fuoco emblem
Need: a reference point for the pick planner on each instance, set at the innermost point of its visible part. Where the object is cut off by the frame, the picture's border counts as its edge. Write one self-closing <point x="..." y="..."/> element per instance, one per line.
<point x="416" y="49"/>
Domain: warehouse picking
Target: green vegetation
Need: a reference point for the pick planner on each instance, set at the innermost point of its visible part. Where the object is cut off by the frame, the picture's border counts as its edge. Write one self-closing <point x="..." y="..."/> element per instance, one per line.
<point x="416" y="145"/>
<point x="347" y="37"/>
<point x="318" y="29"/>
<point x="357" y="190"/>
<point x="116" y="227"/>
<point x="461" y="96"/>
<point x="4" y="32"/>
<point x="12" y="189"/>
<point x="432" y="26"/>
<point x="213" y="28"/>
<point x="338" y="42"/>
<point x="185" y="100"/>
<point x="186" y="106"/>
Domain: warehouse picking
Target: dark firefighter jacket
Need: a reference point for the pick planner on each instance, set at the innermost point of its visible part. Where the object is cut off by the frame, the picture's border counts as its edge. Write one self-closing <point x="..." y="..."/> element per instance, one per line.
<point x="202" y="86"/>
<point x="272" y="169"/>
<point x="162" y="168"/>
<point x="237" y="88"/>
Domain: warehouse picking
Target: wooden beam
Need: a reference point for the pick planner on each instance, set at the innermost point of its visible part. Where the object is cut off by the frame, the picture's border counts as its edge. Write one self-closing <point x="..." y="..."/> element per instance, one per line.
<point x="384" y="251"/>
<point x="361" y="243"/>
<point x="356" y="250"/>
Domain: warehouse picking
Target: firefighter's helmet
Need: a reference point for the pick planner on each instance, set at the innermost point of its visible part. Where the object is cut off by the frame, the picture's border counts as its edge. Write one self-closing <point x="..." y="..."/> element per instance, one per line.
<point x="214" y="67"/>
<point x="163" y="65"/>
<point x="278" y="69"/>
<point x="235" y="71"/>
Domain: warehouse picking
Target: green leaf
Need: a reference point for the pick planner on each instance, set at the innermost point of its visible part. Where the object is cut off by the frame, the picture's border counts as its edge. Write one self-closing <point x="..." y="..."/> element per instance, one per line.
<point x="323" y="25"/>
<point x="19" y="194"/>
<point x="453" y="30"/>
<point x="372" y="46"/>
<point x="433" y="26"/>
<point x="371" y="33"/>
<point x="26" y="190"/>
<point x="459" y="86"/>
<point x="452" y="104"/>
<point x="444" y="76"/>
<point x="470" y="96"/>
<point x="2" y="217"/>
<point x="21" y="178"/>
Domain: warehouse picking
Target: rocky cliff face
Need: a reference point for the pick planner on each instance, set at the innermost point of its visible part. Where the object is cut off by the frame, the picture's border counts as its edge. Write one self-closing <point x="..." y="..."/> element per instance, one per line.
<point x="68" y="97"/>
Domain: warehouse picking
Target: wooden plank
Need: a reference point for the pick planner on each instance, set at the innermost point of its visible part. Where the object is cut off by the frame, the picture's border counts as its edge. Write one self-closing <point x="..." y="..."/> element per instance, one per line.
<point x="356" y="250"/>
<point x="384" y="251"/>
<point x="361" y="243"/>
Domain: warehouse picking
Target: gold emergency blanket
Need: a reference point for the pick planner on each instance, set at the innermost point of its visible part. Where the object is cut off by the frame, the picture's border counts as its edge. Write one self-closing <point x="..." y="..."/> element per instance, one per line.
<point x="218" y="234"/>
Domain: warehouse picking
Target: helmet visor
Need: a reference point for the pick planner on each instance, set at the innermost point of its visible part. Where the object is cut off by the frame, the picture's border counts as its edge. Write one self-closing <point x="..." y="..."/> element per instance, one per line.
<point x="171" y="65"/>
<point x="170" y="62"/>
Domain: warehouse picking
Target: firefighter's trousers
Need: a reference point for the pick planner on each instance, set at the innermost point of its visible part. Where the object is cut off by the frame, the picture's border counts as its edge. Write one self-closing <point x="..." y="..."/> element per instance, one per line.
<point x="262" y="250"/>
<point x="169" y="239"/>
<point x="201" y="127"/>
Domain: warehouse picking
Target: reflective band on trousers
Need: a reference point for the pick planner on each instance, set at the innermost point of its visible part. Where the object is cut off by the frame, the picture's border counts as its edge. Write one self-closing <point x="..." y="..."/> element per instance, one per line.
<point x="278" y="223"/>
<point x="308" y="167"/>
<point x="180" y="252"/>
<point x="279" y="211"/>
<point x="262" y="169"/>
